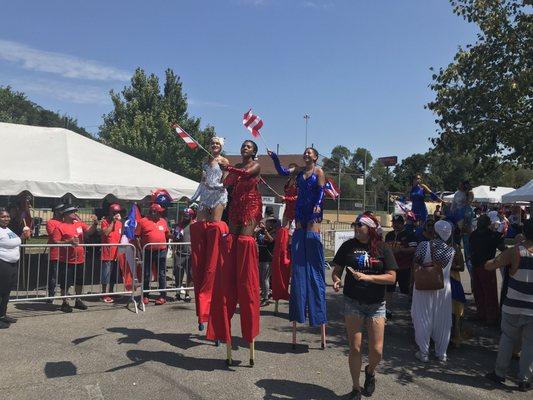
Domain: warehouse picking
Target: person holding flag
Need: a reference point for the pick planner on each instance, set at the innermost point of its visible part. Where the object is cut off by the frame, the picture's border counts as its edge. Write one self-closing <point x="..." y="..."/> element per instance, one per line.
<point x="111" y="232"/>
<point x="308" y="287"/>
<point x="207" y="231"/>
<point x="237" y="279"/>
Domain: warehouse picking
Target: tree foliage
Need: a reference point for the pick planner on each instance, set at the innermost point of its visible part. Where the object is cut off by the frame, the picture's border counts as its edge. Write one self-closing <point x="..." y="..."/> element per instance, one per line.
<point x="484" y="97"/>
<point x="15" y="108"/>
<point x="140" y="124"/>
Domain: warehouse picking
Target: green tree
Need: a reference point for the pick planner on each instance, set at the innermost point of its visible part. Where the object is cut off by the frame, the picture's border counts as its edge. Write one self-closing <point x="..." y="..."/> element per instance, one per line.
<point x="361" y="157"/>
<point x="140" y="124"/>
<point x="15" y="108"/>
<point x="484" y="99"/>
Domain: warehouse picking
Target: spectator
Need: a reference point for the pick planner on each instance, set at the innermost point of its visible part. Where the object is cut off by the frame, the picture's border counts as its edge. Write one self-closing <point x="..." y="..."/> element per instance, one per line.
<point x="426" y="232"/>
<point x="517" y="310"/>
<point x="9" y="257"/>
<point x="431" y="310"/>
<point x="72" y="259"/>
<point x="51" y="225"/>
<point x="111" y="227"/>
<point x="403" y="245"/>
<point x="182" y="256"/>
<point x="265" y="236"/>
<point x="371" y="266"/>
<point x="21" y="215"/>
<point x="483" y="243"/>
<point x="154" y="229"/>
<point x="437" y="214"/>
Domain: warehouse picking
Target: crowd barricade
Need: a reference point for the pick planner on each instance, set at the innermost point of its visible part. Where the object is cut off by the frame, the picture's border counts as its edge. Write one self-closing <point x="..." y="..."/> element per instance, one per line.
<point x="39" y="278"/>
<point x="176" y="258"/>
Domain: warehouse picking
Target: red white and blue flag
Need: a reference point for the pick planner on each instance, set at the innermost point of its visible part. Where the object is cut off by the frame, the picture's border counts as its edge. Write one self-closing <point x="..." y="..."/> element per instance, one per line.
<point x="252" y="122"/>
<point x="331" y="190"/>
<point x="185" y="136"/>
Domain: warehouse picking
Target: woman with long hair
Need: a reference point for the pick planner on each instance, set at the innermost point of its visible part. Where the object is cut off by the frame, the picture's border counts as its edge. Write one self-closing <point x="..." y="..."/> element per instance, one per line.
<point x="207" y="230"/>
<point x="370" y="266"/>
<point x="308" y="289"/>
<point x="237" y="280"/>
<point x="281" y="271"/>
<point x="431" y="310"/>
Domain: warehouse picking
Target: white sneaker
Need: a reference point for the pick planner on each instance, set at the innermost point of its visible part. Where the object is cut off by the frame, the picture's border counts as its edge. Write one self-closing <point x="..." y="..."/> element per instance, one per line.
<point x="421" y="357"/>
<point x="442" y="359"/>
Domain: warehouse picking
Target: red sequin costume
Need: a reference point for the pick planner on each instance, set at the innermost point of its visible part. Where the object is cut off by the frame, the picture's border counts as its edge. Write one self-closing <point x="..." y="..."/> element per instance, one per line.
<point x="246" y="204"/>
<point x="291" y="194"/>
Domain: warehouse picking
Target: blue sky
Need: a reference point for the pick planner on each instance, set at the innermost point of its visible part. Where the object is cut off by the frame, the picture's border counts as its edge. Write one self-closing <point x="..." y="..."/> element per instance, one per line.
<point x="360" y="68"/>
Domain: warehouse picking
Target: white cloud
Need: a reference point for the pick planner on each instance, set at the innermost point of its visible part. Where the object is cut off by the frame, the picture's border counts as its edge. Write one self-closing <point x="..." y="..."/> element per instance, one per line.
<point x="201" y="103"/>
<point x="58" y="63"/>
<point x="80" y="94"/>
<point x="317" y="5"/>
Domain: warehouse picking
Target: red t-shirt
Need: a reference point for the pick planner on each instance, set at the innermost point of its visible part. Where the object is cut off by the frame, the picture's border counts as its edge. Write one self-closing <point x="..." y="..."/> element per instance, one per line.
<point x="51" y="225"/>
<point x="152" y="232"/>
<point x="75" y="254"/>
<point x="109" y="253"/>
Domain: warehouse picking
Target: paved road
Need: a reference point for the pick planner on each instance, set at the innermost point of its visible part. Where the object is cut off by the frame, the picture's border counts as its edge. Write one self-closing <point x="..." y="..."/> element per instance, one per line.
<point x="109" y="352"/>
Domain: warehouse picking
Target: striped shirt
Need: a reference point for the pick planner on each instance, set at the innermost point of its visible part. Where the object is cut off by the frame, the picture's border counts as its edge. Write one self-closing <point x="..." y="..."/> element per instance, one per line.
<point x="519" y="298"/>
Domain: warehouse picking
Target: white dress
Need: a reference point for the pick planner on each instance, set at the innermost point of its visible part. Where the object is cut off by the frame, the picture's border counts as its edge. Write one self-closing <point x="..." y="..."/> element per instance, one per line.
<point x="211" y="191"/>
<point x="431" y="310"/>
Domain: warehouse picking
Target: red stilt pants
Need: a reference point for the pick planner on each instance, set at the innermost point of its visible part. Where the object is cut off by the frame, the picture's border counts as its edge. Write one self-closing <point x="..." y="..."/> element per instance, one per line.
<point x="237" y="281"/>
<point x="281" y="266"/>
<point x="198" y="252"/>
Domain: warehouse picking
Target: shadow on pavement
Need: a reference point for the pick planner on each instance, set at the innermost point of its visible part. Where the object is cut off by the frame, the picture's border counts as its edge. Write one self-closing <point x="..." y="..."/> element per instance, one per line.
<point x="277" y="389"/>
<point x="176" y="360"/>
<point x="59" y="369"/>
<point x="135" y="336"/>
<point x="281" y="347"/>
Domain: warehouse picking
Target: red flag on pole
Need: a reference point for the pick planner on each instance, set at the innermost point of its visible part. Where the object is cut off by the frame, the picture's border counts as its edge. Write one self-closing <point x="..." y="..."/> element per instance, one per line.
<point x="252" y="122"/>
<point x="185" y="136"/>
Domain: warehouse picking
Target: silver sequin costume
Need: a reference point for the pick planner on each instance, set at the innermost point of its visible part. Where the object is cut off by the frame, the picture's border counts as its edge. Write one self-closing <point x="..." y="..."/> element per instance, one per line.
<point x="211" y="191"/>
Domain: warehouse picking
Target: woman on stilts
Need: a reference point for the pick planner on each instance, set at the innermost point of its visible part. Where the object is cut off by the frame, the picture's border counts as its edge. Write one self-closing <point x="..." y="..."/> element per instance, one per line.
<point x="281" y="259"/>
<point x="308" y="289"/>
<point x="208" y="230"/>
<point x="237" y="278"/>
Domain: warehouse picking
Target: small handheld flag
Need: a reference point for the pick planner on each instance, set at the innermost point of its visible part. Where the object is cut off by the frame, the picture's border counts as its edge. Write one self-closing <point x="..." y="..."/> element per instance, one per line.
<point x="252" y="122"/>
<point x="185" y="136"/>
<point x="331" y="190"/>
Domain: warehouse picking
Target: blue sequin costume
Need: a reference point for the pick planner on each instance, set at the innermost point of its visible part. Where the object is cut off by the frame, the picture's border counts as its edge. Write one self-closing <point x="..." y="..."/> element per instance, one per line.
<point x="310" y="195"/>
<point x="418" y="207"/>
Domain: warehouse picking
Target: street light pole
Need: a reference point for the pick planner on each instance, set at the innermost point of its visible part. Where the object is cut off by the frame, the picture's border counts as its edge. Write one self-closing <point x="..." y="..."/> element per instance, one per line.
<point x="306" y="117"/>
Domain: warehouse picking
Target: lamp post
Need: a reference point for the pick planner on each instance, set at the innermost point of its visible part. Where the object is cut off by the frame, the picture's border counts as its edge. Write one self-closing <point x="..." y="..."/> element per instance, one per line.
<point x="306" y="117"/>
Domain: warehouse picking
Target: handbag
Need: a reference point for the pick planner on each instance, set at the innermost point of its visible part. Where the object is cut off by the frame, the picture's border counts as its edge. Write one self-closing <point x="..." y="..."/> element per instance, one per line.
<point x="429" y="276"/>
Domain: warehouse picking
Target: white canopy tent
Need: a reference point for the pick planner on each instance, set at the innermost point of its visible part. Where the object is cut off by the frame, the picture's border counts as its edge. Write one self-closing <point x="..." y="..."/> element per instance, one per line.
<point x="522" y="194"/>
<point x="485" y="194"/>
<point x="51" y="162"/>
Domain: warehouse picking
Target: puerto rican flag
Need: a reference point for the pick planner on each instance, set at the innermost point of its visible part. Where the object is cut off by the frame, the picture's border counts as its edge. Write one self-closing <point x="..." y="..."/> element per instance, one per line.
<point x="331" y="190"/>
<point x="185" y="136"/>
<point x="252" y="122"/>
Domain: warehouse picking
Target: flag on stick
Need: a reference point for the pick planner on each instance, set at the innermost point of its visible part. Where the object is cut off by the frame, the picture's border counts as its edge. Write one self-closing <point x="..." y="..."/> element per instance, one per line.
<point x="331" y="190"/>
<point x="185" y="136"/>
<point x="252" y="122"/>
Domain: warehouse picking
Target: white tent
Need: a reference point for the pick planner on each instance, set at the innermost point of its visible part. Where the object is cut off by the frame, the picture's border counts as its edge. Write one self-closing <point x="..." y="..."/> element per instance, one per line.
<point x="524" y="193"/>
<point x="51" y="162"/>
<point x="486" y="194"/>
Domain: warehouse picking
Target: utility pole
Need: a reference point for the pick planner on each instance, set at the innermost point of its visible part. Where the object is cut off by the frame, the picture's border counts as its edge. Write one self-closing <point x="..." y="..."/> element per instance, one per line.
<point x="306" y="117"/>
<point x="339" y="197"/>
<point x="364" y="183"/>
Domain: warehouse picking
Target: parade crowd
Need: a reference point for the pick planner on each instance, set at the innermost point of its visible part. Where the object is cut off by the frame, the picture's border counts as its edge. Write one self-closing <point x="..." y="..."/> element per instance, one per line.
<point x="240" y="255"/>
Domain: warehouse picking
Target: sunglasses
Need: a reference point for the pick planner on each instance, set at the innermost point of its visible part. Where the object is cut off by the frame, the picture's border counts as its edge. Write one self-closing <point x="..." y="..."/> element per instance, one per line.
<point x="358" y="224"/>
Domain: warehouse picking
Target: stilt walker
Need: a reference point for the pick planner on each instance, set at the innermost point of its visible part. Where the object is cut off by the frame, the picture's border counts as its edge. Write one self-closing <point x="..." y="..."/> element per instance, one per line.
<point x="237" y="278"/>
<point x="281" y="260"/>
<point x="207" y="232"/>
<point x="308" y="287"/>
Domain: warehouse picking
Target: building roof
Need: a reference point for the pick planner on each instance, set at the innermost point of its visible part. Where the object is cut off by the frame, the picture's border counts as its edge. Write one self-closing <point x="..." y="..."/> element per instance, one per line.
<point x="267" y="165"/>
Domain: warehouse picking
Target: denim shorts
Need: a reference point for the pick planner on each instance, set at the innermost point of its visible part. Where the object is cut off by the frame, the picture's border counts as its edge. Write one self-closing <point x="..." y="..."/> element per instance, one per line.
<point x="362" y="310"/>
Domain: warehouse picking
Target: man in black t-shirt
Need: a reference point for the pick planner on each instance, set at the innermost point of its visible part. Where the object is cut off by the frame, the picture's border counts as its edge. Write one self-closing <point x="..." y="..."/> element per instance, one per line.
<point x="265" y="236"/>
<point x="484" y="242"/>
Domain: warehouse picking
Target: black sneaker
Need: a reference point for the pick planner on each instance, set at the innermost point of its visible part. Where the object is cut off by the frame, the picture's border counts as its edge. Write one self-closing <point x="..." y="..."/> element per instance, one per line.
<point x="8" y="319"/>
<point x="495" y="378"/>
<point x="4" y="325"/>
<point x="80" y="305"/>
<point x="187" y="298"/>
<point x="370" y="383"/>
<point x="264" y="303"/>
<point x="355" y="395"/>
<point x="66" y="308"/>
<point x="524" y="386"/>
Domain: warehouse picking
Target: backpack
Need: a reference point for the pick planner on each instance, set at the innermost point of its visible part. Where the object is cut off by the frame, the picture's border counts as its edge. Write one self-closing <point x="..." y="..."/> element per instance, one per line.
<point x="429" y="276"/>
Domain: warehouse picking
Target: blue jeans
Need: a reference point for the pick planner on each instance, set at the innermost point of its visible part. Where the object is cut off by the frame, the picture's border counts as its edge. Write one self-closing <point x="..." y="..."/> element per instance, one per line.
<point x="109" y="273"/>
<point x="364" y="311"/>
<point x="159" y="257"/>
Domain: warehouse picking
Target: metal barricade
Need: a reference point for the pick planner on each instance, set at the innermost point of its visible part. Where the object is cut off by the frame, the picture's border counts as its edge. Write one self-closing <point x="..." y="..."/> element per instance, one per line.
<point x="165" y="257"/>
<point x="39" y="276"/>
